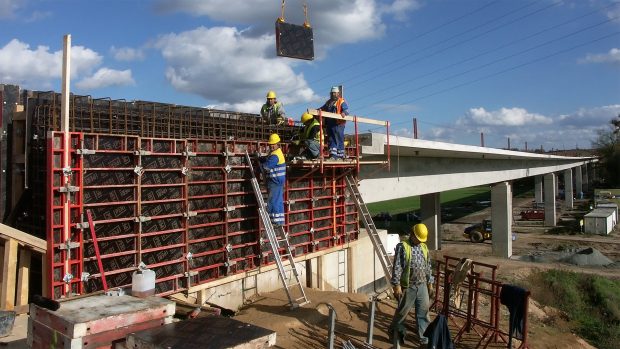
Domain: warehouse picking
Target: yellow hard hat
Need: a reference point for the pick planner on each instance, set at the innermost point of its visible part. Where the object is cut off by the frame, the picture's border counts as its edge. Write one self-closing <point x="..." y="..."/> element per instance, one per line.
<point x="305" y="117"/>
<point x="271" y="94"/>
<point x="274" y="138"/>
<point x="420" y="231"/>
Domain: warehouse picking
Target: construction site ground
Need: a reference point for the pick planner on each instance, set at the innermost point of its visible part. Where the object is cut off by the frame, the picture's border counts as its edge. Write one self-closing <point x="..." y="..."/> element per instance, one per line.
<point x="548" y="327"/>
<point x="306" y="327"/>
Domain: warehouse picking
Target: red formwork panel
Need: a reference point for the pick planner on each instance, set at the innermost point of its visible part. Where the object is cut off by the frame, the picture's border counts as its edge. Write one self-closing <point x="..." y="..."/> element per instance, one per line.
<point x="64" y="210"/>
<point x="185" y="208"/>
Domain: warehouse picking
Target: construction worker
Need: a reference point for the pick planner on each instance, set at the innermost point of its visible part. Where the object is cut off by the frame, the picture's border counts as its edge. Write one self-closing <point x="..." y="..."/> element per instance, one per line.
<point x="335" y="128"/>
<point x="275" y="171"/>
<point x="411" y="281"/>
<point x="310" y="137"/>
<point x="272" y="112"/>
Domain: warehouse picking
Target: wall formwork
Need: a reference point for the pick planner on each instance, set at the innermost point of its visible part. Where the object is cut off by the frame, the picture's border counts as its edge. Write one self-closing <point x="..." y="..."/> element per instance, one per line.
<point x="168" y="186"/>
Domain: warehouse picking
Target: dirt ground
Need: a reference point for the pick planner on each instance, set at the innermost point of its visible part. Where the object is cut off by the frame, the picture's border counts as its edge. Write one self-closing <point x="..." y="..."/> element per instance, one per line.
<point x="307" y="327"/>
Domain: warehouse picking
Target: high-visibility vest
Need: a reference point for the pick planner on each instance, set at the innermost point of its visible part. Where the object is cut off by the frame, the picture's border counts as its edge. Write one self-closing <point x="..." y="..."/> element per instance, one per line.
<point x="404" y="278"/>
<point x="265" y="110"/>
<point x="278" y="172"/>
<point x="307" y="128"/>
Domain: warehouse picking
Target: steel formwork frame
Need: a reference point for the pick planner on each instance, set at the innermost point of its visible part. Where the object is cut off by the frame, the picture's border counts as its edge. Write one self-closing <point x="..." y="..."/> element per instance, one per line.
<point x="184" y="207"/>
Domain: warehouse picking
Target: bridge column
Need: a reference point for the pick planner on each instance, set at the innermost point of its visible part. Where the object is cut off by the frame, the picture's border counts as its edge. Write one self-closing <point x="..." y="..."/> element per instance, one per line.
<point x="538" y="189"/>
<point x="568" y="188"/>
<point x="550" y="219"/>
<point x="578" y="182"/>
<point x="586" y="181"/>
<point x="501" y="219"/>
<point x="430" y="210"/>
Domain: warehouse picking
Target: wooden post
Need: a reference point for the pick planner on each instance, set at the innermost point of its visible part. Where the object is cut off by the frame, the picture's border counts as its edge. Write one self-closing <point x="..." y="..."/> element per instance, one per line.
<point x="23" y="277"/>
<point x="7" y="296"/>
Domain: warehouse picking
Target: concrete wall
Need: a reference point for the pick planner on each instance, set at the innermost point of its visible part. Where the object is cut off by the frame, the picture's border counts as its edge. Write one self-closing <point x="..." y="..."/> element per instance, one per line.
<point x="347" y="268"/>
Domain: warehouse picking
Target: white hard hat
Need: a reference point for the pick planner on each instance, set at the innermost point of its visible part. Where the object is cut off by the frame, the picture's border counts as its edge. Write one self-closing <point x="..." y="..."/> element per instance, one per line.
<point x="335" y="89"/>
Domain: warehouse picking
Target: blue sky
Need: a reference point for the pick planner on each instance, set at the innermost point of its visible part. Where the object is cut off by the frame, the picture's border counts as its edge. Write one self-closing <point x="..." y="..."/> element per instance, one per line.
<point x="545" y="72"/>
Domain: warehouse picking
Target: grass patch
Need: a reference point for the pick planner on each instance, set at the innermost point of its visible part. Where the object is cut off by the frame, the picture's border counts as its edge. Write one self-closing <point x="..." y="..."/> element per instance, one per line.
<point x="591" y="302"/>
<point x="412" y="203"/>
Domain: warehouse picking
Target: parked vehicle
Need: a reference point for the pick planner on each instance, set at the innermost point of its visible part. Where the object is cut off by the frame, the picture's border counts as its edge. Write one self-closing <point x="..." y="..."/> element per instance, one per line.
<point x="479" y="231"/>
<point x="533" y="215"/>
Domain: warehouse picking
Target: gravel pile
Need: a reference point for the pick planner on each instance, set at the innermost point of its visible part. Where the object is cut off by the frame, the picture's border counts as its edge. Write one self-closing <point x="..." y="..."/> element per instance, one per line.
<point x="586" y="257"/>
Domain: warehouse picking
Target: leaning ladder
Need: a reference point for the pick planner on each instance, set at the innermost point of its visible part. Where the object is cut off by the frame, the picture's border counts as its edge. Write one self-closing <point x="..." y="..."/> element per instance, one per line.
<point x="366" y="218"/>
<point x="278" y="238"/>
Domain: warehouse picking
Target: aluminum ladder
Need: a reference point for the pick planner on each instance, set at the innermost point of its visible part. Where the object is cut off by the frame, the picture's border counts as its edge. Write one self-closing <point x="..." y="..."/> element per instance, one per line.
<point x="366" y="218"/>
<point x="278" y="239"/>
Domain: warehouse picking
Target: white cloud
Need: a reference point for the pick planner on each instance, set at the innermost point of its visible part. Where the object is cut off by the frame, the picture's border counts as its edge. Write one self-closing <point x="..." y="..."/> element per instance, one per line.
<point x="105" y="77"/>
<point x="223" y="65"/>
<point x="127" y="54"/>
<point x="8" y="7"/>
<point x="399" y="8"/>
<point x="564" y="131"/>
<point x="613" y="57"/>
<point x="35" y="66"/>
<point x="333" y="21"/>
<point x="504" y="117"/>
<point x="37" y="16"/>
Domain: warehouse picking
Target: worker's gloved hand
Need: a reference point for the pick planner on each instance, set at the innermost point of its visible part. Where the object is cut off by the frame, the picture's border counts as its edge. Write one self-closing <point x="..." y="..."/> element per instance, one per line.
<point x="398" y="292"/>
<point x="296" y="142"/>
<point x="280" y="121"/>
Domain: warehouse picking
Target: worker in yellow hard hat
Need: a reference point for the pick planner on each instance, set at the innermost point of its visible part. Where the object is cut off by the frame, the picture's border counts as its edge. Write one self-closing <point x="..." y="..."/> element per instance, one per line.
<point x="411" y="281"/>
<point x="275" y="169"/>
<point x="309" y="137"/>
<point x="272" y="112"/>
<point x="335" y="128"/>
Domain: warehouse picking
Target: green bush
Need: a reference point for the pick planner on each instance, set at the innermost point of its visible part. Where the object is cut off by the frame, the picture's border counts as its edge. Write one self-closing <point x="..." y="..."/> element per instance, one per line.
<point x="591" y="303"/>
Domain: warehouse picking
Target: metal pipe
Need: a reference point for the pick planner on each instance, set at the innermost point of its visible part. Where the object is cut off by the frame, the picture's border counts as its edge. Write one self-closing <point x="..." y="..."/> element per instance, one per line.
<point x="332" y="327"/>
<point x="371" y="320"/>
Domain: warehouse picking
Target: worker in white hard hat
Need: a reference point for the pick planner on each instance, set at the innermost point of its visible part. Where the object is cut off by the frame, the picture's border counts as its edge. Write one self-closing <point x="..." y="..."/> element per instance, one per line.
<point x="272" y="112"/>
<point x="275" y="169"/>
<point x="309" y="137"/>
<point x="335" y="128"/>
<point x="411" y="281"/>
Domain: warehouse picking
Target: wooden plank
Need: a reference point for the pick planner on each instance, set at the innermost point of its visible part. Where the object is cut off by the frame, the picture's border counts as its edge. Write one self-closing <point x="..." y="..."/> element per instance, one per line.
<point x="25" y="239"/>
<point x="348" y="118"/>
<point x="45" y="277"/>
<point x="23" y="277"/>
<point x="9" y="274"/>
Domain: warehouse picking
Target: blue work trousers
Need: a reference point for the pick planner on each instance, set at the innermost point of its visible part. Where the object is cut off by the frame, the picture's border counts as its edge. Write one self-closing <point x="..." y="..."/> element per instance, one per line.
<point x="335" y="139"/>
<point x="414" y="296"/>
<point x="275" y="202"/>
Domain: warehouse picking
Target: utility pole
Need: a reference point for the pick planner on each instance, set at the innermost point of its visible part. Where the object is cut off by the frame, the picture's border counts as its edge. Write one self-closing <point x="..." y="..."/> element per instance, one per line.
<point x="482" y="139"/>
<point x="415" y="128"/>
